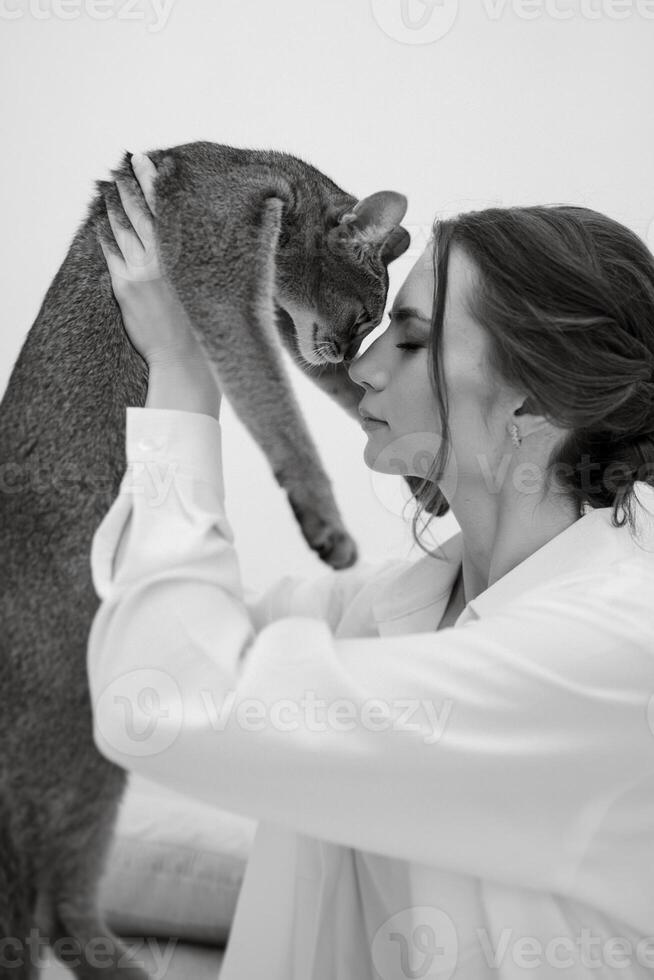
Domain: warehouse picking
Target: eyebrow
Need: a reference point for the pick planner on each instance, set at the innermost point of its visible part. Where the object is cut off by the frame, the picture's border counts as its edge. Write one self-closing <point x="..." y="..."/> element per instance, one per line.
<point x="409" y="313"/>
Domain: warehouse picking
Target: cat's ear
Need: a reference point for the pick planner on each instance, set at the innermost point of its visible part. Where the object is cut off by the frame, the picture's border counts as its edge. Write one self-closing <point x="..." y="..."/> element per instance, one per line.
<point x="373" y="218"/>
<point x="395" y="245"/>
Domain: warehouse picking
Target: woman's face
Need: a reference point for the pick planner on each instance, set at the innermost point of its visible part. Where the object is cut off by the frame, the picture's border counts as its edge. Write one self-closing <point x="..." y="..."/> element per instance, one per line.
<point x="397" y="383"/>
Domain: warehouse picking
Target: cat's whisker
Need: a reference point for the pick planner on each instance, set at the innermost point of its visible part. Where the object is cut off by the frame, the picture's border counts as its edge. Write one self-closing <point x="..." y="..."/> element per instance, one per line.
<point x="319" y="368"/>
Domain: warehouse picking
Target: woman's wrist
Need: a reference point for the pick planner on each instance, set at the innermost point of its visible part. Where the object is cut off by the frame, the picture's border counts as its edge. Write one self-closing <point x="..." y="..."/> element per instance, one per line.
<point x="185" y="384"/>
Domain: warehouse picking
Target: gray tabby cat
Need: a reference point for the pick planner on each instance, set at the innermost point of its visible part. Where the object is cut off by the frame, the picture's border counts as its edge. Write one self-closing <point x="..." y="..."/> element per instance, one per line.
<point x="259" y="246"/>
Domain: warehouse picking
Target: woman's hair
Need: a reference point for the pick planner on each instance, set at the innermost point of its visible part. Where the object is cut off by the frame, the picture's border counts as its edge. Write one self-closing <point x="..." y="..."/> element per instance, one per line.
<point x="566" y="296"/>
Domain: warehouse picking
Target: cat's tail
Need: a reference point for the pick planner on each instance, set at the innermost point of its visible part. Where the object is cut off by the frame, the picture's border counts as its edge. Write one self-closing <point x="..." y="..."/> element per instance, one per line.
<point x="17" y="900"/>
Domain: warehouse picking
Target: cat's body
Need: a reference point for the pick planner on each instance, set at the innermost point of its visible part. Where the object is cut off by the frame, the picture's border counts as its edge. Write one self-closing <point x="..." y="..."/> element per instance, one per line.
<point x="246" y="237"/>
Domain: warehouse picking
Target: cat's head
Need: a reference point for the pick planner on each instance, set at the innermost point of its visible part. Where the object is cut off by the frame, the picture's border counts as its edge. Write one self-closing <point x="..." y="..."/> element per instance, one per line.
<point x="333" y="280"/>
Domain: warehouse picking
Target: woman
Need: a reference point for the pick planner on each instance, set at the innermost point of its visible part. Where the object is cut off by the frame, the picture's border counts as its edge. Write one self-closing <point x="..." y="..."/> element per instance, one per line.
<point x="474" y="805"/>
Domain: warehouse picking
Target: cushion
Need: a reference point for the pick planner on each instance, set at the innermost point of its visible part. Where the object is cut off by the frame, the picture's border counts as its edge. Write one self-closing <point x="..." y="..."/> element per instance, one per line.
<point x="175" y="866"/>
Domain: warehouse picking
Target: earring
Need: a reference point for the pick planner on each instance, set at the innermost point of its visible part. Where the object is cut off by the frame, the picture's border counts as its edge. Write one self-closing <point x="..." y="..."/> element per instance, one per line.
<point x="516" y="438"/>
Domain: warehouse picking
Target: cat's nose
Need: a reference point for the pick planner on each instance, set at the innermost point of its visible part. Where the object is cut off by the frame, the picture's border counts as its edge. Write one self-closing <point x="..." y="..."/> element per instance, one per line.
<point x="333" y="355"/>
<point x="336" y="351"/>
<point x="331" y="351"/>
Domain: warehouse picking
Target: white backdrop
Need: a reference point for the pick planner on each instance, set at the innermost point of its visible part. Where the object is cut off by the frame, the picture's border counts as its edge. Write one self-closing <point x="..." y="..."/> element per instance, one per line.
<point x="500" y="102"/>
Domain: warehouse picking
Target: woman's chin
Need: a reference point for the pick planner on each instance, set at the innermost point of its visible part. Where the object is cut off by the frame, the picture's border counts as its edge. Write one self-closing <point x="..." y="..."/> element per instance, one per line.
<point x="407" y="454"/>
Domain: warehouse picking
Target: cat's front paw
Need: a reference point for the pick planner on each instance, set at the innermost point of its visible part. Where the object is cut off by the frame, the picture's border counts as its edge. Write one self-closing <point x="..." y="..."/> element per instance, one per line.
<point x="328" y="538"/>
<point x="337" y="549"/>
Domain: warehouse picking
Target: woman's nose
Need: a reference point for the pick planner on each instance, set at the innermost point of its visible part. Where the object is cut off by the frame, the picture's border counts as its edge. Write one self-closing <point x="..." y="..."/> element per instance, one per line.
<point x="366" y="369"/>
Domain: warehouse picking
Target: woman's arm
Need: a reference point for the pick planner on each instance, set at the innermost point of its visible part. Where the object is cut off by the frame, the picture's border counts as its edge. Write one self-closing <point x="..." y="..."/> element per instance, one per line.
<point x="493" y="749"/>
<point x="184" y="386"/>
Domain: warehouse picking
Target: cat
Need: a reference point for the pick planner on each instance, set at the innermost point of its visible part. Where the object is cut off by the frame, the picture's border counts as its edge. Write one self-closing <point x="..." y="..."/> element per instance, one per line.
<point x="265" y="252"/>
<point x="254" y="241"/>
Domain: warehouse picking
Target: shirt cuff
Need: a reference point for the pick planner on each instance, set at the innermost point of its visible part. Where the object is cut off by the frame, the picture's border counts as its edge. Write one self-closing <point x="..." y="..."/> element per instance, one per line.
<point x="191" y="440"/>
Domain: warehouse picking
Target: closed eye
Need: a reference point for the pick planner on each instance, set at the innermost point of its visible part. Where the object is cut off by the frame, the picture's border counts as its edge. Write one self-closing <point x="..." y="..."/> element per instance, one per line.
<point x="398" y="317"/>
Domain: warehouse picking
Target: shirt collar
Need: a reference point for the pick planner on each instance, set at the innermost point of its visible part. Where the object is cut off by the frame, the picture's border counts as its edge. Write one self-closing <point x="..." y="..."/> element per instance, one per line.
<point x="414" y="600"/>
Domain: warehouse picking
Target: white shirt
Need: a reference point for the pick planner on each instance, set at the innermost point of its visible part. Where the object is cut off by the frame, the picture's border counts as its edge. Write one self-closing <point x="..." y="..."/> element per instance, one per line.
<point x="476" y="802"/>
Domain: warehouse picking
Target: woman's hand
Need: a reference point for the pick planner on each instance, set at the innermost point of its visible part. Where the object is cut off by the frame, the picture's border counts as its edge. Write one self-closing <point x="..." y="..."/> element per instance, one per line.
<point x="154" y="318"/>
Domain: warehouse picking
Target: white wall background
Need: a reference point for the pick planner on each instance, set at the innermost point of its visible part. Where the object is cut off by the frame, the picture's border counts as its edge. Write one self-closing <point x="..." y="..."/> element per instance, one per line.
<point x="498" y="102"/>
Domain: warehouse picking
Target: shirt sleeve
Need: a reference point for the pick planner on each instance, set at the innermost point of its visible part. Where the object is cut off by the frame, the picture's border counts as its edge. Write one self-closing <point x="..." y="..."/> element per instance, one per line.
<point x="158" y="443"/>
<point x="491" y="749"/>
<point x="325" y="597"/>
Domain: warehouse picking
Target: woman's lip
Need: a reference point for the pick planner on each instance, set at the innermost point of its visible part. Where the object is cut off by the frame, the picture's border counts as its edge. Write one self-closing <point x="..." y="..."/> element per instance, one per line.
<point x="370" y="423"/>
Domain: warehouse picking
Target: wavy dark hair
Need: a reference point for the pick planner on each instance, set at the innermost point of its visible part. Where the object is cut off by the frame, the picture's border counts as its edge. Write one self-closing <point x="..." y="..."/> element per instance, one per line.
<point x="566" y="295"/>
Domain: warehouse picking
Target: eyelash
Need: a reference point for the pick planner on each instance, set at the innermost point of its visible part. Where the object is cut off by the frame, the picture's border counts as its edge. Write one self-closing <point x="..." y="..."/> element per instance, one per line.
<point x="403" y="346"/>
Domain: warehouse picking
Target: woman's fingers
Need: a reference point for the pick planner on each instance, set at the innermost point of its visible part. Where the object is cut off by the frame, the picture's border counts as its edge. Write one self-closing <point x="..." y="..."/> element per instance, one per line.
<point x="141" y="222"/>
<point x="136" y="257"/>
<point x="115" y="265"/>
<point x="145" y="172"/>
<point x="118" y="230"/>
<point x="141" y="254"/>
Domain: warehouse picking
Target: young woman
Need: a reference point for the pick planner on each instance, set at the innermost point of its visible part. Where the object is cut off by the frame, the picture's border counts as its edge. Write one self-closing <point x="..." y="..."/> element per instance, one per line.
<point x="471" y="805"/>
